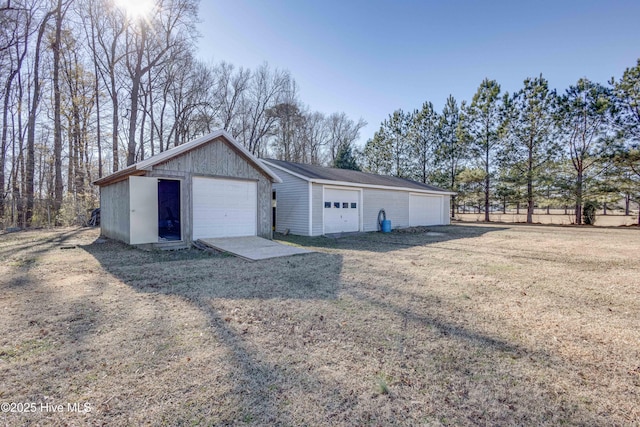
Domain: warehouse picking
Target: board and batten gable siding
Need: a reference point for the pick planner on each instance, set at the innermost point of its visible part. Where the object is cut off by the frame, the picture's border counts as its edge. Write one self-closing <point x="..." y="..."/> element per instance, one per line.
<point x="292" y="211"/>
<point x="317" y="204"/>
<point x="394" y="203"/>
<point x="114" y="214"/>
<point x="218" y="159"/>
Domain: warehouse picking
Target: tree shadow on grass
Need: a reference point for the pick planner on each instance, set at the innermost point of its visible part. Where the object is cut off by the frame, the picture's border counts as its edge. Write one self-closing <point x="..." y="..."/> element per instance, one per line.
<point x="16" y="245"/>
<point x="208" y="282"/>
<point x="195" y="274"/>
<point x="487" y="379"/>
<point x="204" y="281"/>
<point x="389" y="242"/>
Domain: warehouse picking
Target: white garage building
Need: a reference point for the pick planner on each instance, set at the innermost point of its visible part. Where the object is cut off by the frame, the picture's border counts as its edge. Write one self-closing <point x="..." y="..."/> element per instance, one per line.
<point x="314" y="200"/>
<point x="209" y="187"/>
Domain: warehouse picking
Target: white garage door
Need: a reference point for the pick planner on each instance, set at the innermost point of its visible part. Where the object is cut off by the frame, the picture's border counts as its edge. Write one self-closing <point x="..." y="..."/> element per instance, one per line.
<point x="341" y="210"/>
<point x="224" y="208"/>
<point x="425" y="210"/>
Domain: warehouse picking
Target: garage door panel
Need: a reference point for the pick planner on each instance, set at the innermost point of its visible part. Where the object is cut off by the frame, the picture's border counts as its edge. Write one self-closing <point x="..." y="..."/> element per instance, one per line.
<point x="425" y="210"/>
<point x="342" y="210"/>
<point x="224" y="208"/>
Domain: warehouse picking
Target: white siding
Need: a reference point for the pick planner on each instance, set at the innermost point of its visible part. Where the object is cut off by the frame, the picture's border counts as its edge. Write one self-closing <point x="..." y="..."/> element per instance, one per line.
<point x="292" y="211"/>
<point x="317" y="205"/>
<point x="395" y="204"/>
<point x="446" y="210"/>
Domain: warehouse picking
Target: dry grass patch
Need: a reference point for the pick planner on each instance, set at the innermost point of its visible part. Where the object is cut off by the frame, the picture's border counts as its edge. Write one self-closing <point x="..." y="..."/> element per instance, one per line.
<point x="463" y="325"/>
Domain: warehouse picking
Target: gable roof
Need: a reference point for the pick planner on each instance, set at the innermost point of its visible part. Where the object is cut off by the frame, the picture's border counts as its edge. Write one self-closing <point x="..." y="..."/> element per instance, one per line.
<point x="326" y="175"/>
<point x="148" y="164"/>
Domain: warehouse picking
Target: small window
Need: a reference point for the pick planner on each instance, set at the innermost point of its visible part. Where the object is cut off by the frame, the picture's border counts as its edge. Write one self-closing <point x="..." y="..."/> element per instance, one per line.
<point x="336" y="205"/>
<point x="354" y="205"/>
<point x="327" y="204"/>
<point x="345" y="205"/>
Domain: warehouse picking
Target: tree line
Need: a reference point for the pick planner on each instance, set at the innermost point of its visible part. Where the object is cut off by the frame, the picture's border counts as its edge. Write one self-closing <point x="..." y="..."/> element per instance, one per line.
<point x="88" y="88"/>
<point x="534" y="148"/>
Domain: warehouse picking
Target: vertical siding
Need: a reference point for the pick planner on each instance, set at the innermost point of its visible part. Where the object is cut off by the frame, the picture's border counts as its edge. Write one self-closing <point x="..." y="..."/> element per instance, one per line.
<point x="114" y="211"/>
<point x="395" y="204"/>
<point x="317" y="206"/>
<point x="292" y="211"/>
<point x="446" y="209"/>
<point x="218" y="159"/>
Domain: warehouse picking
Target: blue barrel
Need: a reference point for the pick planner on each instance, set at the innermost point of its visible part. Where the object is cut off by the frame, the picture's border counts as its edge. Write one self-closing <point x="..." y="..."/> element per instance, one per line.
<point x="386" y="226"/>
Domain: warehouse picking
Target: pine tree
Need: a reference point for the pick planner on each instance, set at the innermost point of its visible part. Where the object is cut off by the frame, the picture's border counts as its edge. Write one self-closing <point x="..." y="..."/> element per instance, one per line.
<point x="582" y="118"/>
<point x="483" y="122"/>
<point x="451" y="148"/>
<point x="389" y="152"/>
<point x="424" y="135"/>
<point x="529" y="133"/>
<point x="345" y="158"/>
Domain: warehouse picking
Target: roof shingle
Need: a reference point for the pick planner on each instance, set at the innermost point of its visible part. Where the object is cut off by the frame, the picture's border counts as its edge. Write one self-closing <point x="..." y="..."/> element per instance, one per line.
<point x="346" y="175"/>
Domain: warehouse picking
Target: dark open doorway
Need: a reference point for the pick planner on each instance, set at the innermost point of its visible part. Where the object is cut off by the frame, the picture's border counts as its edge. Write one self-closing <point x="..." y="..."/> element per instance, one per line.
<point x="169" y="210"/>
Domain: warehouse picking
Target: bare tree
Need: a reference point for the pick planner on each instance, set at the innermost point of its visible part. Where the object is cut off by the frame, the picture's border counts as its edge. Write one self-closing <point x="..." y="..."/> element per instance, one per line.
<point x="156" y="36"/>
<point x="264" y="93"/>
<point x="231" y="88"/>
<point x="60" y="11"/>
<point x="27" y="214"/>
<point x="316" y="135"/>
<point x="288" y="141"/>
<point x="108" y="26"/>
<point x="15" y="24"/>
<point x="188" y="96"/>
<point x="342" y="132"/>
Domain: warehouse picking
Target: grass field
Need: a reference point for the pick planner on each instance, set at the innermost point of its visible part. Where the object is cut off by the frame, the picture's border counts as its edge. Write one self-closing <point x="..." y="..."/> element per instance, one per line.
<point x="462" y="325"/>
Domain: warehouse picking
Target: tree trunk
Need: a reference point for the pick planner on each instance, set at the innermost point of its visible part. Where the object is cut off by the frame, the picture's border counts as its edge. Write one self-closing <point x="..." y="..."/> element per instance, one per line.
<point x="530" y="186"/>
<point x="529" y="200"/>
<point x="96" y="90"/>
<point x="627" y="200"/>
<point x="453" y="206"/>
<point x="486" y="185"/>
<point x="115" y="105"/>
<point x="135" y="93"/>
<point x="142" y="124"/>
<point x="70" y="162"/>
<point x="604" y="208"/>
<point x="116" y="122"/>
<point x="57" y="124"/>
<point x="3" y="144"/>
<point x="27" y="214"/>
<point x="578" y="209"/>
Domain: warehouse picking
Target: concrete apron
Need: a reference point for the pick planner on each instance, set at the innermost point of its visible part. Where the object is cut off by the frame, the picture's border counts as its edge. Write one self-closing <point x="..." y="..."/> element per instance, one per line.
<point x="252" y="248"/>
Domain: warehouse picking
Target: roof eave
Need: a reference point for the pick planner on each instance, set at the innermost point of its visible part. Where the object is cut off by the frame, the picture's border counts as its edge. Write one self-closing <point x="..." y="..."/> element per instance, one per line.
<point x="356" y="184"/>
<point x="148" y="164"/>
<point x="380" y="187"/>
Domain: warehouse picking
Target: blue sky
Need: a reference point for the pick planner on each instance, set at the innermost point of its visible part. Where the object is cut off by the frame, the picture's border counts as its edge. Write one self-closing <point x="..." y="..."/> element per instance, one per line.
<point x="369" y="58"/>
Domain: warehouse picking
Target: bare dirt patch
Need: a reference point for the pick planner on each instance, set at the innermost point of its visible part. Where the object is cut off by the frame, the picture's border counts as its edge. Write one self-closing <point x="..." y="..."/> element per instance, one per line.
<point x="463" y="325"/>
